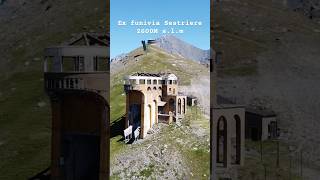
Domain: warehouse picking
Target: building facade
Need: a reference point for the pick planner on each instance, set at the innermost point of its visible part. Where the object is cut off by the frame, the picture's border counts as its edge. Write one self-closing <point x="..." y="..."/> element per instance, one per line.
<point x="152" y="98"/>
<point x="76" y="79"/>
<point x="227" y="127"/>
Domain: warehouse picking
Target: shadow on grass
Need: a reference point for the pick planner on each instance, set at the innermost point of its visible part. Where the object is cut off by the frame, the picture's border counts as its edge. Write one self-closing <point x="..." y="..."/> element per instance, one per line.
<point x="117" y="127"/>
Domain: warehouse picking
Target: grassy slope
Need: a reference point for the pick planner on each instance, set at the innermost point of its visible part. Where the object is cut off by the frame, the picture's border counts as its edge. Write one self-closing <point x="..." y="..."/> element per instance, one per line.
<point x="25" y="128"/>
<point x="247" y="29"/>
<point x="155" y="61"/>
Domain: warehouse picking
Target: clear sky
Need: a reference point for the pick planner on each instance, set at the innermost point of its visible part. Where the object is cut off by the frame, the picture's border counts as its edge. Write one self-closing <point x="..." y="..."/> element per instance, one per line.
<point x="125" y="38"/>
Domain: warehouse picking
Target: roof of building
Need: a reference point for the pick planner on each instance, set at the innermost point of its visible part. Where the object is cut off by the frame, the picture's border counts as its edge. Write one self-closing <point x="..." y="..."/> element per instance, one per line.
<point x="147" y="74"/>
<point x="89" y="39"/>
<point x="261" y="112"/>
<point x="192" y="96"/>
<point x="161" y="74"/>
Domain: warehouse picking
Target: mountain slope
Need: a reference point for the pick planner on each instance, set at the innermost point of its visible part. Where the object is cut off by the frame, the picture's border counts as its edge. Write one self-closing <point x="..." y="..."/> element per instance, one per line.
<point x="174" y="45"/>
<point x="281" y="47"/>
<point x="171" y="148"/>
<point x="26" y="28"/>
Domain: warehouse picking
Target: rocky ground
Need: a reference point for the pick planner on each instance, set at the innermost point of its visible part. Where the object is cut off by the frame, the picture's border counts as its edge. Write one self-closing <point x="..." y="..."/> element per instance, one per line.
<point x="177" y="151"/>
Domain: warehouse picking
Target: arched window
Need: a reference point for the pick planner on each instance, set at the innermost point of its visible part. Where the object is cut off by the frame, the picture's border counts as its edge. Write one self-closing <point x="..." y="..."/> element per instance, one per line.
<point x="179" y="106"/>
<point x="149" y="88"/>
<point x="238" y="139"/>
<point x="184" y="105"/>
<point x="154" y="88"/>
<point x="222" y="141"/>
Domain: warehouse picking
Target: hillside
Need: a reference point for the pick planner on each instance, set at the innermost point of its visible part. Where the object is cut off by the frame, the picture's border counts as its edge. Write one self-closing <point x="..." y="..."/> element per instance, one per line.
<point x="176" y="46"/>
<point x="26" y="28"/>
<point x="175" y="151"/>
<point x="272" y="59"/>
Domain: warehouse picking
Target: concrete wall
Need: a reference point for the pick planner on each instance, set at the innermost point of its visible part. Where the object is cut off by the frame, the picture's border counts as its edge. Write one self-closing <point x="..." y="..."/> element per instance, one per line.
<point x="265" y="122"/>
<point x="228" y="113"/>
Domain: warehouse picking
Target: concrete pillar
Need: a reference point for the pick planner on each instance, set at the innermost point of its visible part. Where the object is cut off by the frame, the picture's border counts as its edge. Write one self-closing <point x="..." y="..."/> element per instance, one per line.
<point x="104" y="143"/>
<point x="170" y="117"/>
<point x="88" y="63"/>
<point x="242" y="146"/>
<point x="56" y="138"/>
<point x="213" y="146"/>
<point x="127" y="111"/>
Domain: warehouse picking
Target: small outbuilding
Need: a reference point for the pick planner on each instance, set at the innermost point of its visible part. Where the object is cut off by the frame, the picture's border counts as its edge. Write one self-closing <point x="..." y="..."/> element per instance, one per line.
<point x="260" y="124"/>
<point x="191" y="100"/>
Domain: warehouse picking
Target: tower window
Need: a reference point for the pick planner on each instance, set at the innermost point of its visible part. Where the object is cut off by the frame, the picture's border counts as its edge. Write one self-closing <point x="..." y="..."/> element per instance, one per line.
<point x="142" y="81"/>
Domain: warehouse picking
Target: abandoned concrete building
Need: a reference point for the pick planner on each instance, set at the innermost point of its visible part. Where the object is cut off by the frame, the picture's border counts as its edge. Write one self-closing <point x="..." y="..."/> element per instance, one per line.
<point x="261" y="124"/>
<point x="77" y="81"/>
<point x="152" y="98"/>
<point x="227" y="127"/>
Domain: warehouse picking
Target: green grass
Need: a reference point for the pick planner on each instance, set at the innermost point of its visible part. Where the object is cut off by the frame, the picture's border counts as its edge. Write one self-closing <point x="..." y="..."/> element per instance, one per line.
<point x="155" y="61"/>
<point x="147" y="172"/>
<point x="248" y="70"/>
<point x="25" y="127"/>
<point x="255" y="168"/>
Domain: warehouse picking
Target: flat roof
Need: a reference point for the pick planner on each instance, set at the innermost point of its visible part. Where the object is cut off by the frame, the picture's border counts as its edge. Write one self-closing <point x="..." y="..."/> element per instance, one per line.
<point x="261" y="112"/>
<point x="147" y="74"/>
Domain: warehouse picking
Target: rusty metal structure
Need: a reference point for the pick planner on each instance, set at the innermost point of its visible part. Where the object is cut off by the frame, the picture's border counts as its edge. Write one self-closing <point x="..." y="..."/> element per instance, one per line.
<point x="76" y="77"/>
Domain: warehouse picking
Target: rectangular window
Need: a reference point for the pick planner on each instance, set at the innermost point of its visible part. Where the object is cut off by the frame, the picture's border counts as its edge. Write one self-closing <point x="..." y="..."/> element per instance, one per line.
<point x="154" y="81"/>
<point x="133" y="81"/>
<point x="79" y="63"/>
<point x="142" y="81"/>
<point x="170" y="81"/>
<point x="101" y="64"/>
<point x="149" y="81"/>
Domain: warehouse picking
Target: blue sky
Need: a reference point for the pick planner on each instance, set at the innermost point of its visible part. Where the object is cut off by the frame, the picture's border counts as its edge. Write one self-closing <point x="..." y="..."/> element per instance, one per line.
<point x="125" y="38"/>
